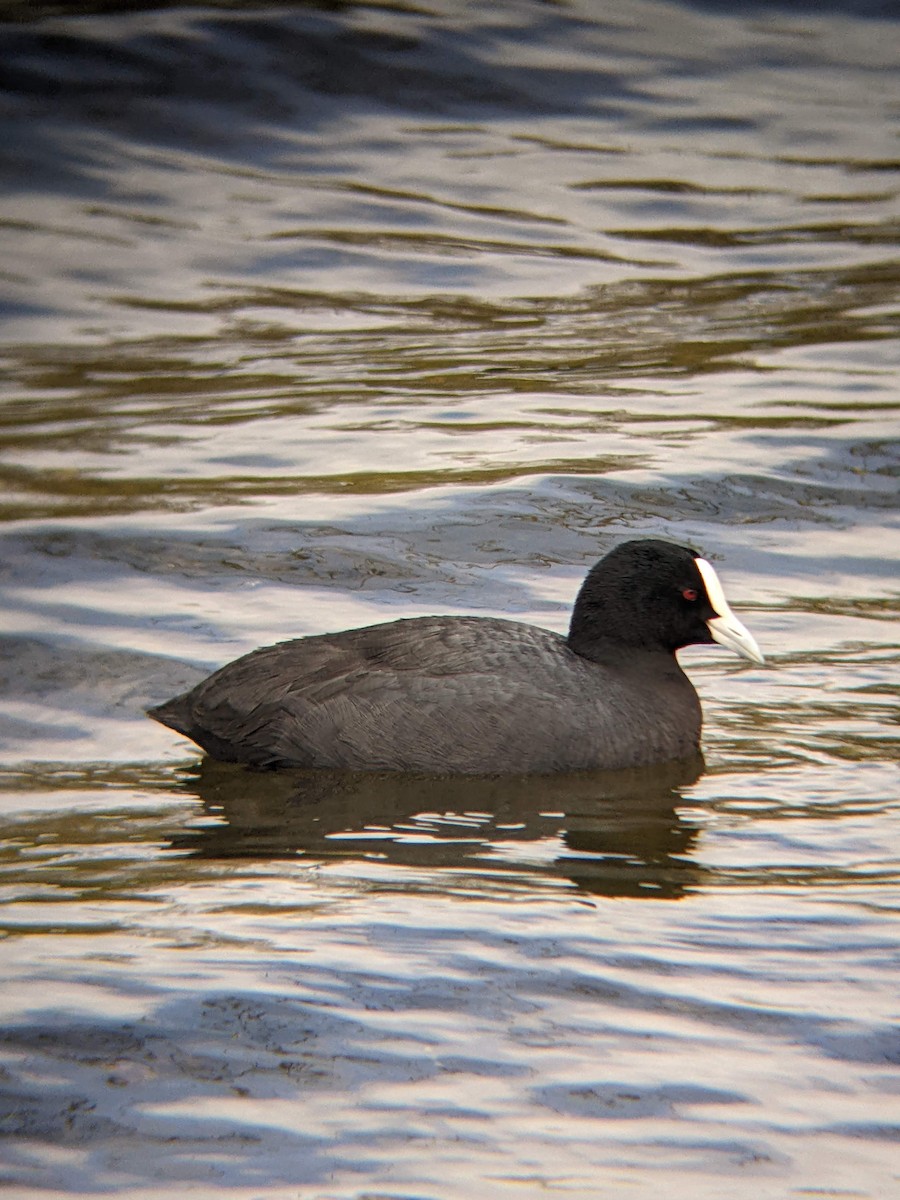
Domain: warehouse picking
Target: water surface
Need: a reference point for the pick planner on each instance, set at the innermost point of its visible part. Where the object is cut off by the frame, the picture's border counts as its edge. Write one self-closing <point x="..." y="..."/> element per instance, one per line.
<point x="322" y="315"/>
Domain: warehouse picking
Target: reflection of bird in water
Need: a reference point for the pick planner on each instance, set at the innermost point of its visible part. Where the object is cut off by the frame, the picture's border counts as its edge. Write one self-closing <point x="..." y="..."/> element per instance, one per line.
<point x="478" y="695"/>
<point x="615" y="833"/>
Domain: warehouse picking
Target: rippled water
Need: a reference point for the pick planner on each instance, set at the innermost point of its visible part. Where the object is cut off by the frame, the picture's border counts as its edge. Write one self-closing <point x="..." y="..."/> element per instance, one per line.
<point x="315" y="316"/>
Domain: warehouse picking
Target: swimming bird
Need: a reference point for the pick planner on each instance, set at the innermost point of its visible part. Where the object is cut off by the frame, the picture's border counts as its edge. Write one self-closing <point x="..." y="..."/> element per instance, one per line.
<point x="466" y="695"/>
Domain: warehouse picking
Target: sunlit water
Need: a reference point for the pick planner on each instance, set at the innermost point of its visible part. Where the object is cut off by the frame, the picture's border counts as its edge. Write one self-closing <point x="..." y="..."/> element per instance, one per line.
<point x="321" y="316"/>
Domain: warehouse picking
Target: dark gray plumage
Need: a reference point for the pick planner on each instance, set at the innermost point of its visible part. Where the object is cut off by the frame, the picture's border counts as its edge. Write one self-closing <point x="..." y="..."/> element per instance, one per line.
<point x="476" y="695"/>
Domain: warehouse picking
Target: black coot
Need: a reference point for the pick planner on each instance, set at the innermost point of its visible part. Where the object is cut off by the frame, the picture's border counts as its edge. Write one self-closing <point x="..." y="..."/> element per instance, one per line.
<point x="480" y="695"/>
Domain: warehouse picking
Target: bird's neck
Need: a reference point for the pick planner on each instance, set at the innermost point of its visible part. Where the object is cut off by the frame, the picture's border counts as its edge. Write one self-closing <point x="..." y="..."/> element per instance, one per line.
<point x="623" y="655"/>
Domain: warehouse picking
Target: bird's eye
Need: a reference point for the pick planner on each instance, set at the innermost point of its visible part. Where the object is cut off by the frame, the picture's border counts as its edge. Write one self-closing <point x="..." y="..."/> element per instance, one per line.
<point x="689" y="593"/>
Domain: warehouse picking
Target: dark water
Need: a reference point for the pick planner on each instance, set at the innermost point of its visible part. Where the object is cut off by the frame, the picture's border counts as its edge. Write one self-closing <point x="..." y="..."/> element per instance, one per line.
<point x="318" y="315"/>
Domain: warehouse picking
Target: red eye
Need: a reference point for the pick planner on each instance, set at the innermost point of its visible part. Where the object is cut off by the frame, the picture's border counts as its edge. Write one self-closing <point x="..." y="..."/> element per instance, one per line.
<point x="689" y="593"/>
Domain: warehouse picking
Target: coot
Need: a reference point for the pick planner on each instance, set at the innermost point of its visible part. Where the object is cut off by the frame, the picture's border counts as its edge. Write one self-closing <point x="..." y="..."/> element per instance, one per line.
<point x="481" y="695"/>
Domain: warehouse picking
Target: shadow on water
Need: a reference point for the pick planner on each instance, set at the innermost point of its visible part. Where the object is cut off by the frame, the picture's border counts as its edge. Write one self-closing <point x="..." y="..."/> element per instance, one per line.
<point x="613" y="833"/>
